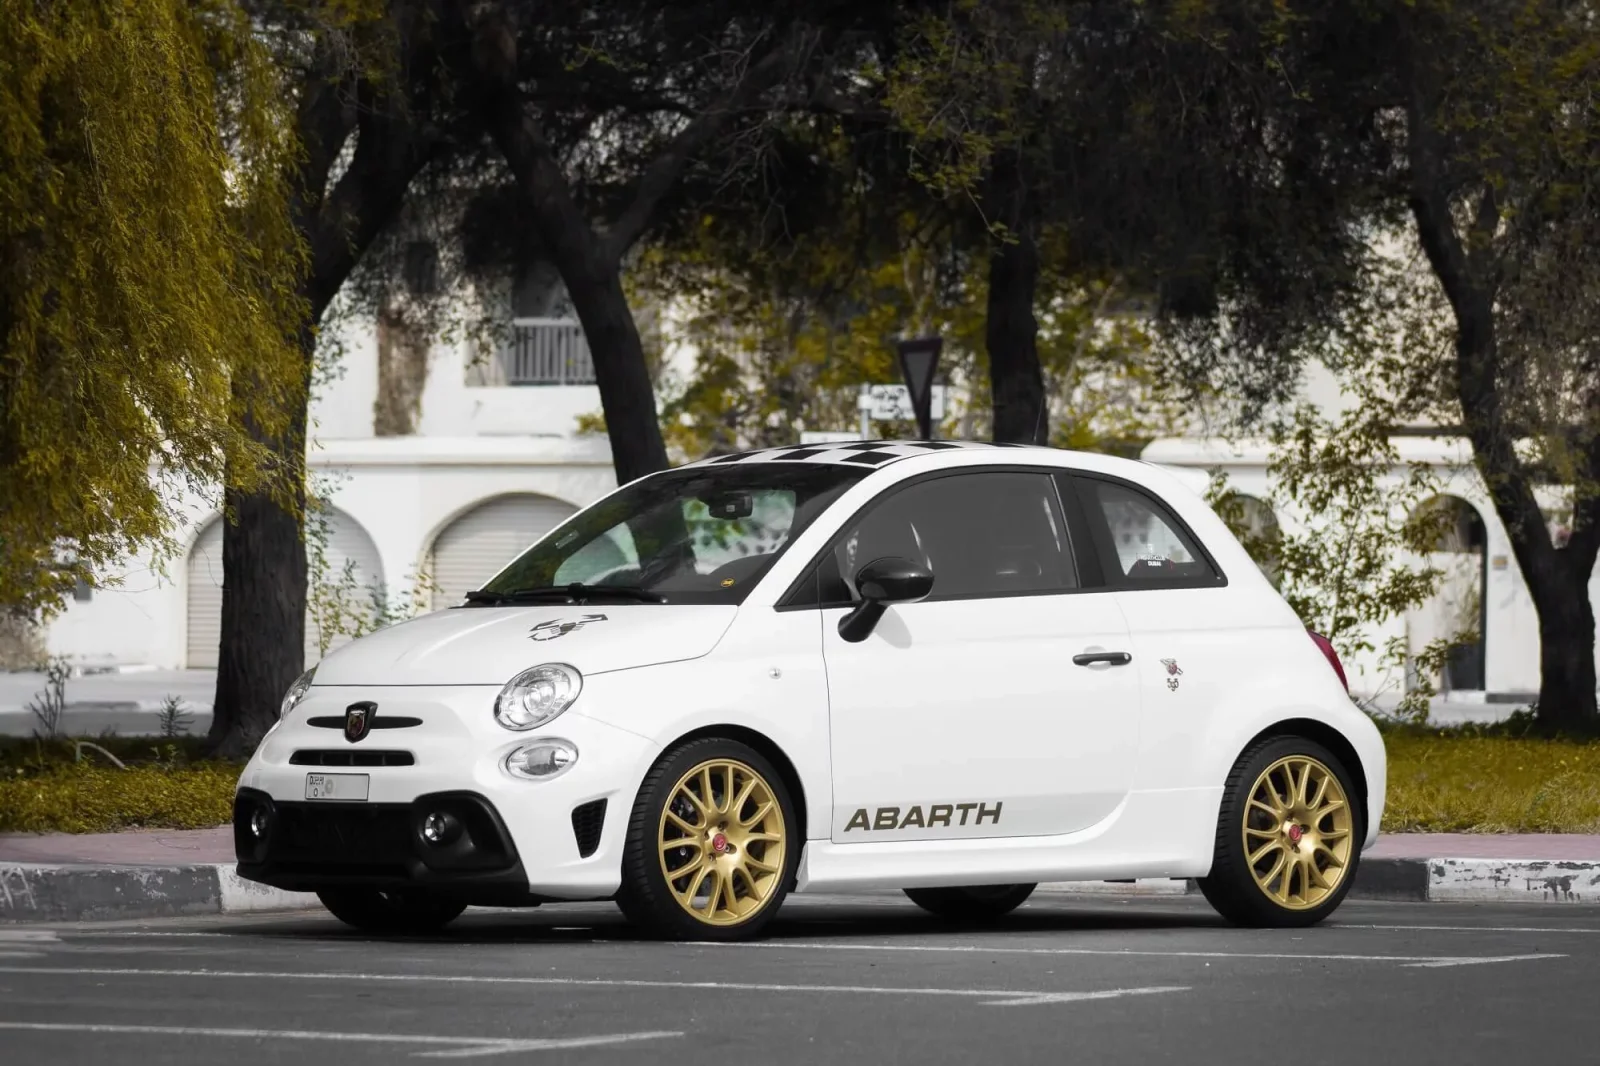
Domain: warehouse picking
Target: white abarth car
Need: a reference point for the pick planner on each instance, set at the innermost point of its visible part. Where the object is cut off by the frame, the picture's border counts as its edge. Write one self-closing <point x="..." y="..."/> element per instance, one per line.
<point x="950" y="668"/>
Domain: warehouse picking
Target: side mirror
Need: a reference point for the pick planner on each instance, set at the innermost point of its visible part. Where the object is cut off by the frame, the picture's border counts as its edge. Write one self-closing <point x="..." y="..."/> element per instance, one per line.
<point x="883" y="582"/>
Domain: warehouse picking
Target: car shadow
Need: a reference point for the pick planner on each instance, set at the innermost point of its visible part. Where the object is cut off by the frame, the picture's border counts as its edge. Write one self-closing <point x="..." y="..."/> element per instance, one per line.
<point x="800" y="919"/>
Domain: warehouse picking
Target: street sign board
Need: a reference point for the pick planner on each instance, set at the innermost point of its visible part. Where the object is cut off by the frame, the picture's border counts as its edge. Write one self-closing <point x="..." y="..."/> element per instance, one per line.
<point x="892" y="403"/>
<point x="919" y="359"/>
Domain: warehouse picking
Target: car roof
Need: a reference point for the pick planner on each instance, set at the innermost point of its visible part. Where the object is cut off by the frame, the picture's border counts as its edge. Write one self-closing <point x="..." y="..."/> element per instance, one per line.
<point x="870" y="453"/>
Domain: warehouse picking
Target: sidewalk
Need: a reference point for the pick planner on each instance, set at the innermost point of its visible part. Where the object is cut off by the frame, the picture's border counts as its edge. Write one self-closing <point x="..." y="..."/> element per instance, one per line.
<point x="160" y="873"/>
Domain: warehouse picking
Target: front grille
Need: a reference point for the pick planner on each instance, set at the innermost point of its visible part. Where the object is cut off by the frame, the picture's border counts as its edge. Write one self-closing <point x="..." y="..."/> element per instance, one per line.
<point x="588" y="819"/>
<point x="351" y="757"/>
<point x="349" y="837"/>
<point x="387" y="721"/>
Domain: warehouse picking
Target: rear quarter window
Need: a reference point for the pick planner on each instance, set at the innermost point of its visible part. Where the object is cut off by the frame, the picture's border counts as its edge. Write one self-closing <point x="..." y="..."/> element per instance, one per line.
<point x="1139" y="541"/>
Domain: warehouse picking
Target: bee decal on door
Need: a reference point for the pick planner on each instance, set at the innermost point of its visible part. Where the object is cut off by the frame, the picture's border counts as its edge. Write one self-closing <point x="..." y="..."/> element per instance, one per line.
<point x="1174" y="671"/>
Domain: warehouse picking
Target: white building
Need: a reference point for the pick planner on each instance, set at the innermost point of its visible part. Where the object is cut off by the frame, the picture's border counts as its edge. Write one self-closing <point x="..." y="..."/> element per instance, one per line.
<point x="495" y="461"/>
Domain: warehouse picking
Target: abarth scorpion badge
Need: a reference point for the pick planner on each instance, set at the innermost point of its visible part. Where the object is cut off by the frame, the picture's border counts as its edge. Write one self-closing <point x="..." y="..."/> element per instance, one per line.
<point x="358" y="720"/>
<point x="560" y="627"/>
<point x="1174" y="671"/>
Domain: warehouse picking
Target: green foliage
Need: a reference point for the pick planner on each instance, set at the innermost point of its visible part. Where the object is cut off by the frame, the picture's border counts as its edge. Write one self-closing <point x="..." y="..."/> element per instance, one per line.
<point x="93" y="799"/>
<point x="1443" y="783"/>
<point x="146" y="256"/>
<point x="174" y="720"/>
<point x="48" y="706"/>
<point x="783" y="343"/>
<point x="1357" y="555"/>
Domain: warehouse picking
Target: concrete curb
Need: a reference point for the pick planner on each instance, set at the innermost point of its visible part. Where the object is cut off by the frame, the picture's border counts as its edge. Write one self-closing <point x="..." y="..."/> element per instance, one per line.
<point x="1414" y="881"/>
<point x="43" y="892"/>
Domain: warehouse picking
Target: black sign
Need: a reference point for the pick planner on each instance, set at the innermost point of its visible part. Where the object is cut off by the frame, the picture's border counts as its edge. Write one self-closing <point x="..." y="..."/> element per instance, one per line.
<point x="919" y="358"/>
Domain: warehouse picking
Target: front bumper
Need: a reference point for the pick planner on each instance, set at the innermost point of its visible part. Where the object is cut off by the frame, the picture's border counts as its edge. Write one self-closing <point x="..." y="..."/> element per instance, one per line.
<point x="520" y="841"/>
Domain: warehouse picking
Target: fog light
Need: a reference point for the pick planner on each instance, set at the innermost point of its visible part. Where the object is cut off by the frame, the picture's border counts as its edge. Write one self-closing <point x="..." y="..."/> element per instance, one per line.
<point x="258" y="822"/>
<point x="543" y="760"/>
<point x="440" y="828"/>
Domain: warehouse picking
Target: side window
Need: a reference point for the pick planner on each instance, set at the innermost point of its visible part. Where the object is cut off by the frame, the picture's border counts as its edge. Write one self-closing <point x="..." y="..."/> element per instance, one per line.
<point x="1141" y="543"/>
<point x="985" y="533"/>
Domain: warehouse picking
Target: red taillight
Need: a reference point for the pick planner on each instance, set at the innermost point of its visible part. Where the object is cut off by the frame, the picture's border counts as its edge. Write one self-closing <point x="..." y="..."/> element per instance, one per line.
<point x="1331" y="655"/>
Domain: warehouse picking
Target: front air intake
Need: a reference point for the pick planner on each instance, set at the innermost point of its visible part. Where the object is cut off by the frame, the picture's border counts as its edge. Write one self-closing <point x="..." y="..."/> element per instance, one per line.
<point x="588" y="819"/>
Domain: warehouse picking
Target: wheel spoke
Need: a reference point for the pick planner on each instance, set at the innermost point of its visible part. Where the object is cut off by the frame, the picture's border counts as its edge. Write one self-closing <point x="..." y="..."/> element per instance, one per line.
<point x="761" y="865"/>
<point x="699" y="847"/>
<point x="737" y="806"/>
<point x="1266" y="849"/>
<point x="1284" y="892"/>
<point x="693" y="888"/>
<point x="672" y="816"/>
<point x="1309" y="869"/>
<point x="1275" y="812"/>
<point x="1334" y="834"/>
<point x="1315" y="803"/>
<point x="1333" y="859"/>
<point x="1271" y="875"/>
<point x="1333" y="807"/>
<point x="760" y="815"/>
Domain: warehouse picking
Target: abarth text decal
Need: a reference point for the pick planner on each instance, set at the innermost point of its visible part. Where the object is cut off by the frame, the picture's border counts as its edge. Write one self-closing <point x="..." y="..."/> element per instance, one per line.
<point x="938" y="814"/>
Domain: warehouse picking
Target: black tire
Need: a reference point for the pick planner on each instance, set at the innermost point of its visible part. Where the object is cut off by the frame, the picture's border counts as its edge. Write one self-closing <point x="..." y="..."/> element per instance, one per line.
<point x="645" y="895"/>
<point x="379" y="911"/>
<point x="973" y="903"/>
<point x="1232" y="887"/>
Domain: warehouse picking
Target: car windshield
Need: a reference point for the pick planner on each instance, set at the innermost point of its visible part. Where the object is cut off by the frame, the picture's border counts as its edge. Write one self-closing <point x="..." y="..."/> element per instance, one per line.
<point x="703" y="534"/>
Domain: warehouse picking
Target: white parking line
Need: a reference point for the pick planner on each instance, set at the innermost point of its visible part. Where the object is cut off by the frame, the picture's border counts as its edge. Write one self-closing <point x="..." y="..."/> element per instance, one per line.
<point x="1434" y="961"/>
<point x="994" y="997"/>
<point x="450" y="1047"/>
<point x="1475" y="928"/>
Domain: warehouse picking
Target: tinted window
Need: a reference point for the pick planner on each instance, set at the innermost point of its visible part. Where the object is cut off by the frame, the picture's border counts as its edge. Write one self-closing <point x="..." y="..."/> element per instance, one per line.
<point x="1143" y="543"/>
<point x="981" y="534"/>
<point x="695" y="535"/>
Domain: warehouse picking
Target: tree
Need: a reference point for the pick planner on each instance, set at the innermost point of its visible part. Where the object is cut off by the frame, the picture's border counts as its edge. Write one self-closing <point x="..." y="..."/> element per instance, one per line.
<point x="367" y="102"/>
<point x="1471" y="127"/>
<point x="600" y="113"/>
<point x="1502" y="152"/>
<point x="147" y="261"/>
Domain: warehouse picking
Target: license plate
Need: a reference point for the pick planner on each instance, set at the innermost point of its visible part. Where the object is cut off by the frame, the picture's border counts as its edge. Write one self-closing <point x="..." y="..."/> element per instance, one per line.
<point x="337" y="786"/>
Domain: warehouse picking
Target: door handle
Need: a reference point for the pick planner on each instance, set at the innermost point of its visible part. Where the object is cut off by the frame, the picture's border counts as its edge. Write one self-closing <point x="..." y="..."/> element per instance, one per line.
<point x="1115" y="658"/>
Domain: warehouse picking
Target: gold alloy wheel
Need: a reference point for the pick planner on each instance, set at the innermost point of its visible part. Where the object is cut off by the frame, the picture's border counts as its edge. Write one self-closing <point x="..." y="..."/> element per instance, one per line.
<point x="1298" y="832"/>
<point x="722" y="842"/>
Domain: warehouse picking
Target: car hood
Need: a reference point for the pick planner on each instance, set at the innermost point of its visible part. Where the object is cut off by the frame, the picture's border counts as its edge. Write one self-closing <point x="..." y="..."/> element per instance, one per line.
<point x="490" y="645"/>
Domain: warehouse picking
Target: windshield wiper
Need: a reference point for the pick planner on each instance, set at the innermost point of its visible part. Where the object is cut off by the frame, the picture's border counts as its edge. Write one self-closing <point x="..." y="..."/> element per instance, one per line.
<point x="577" y="592"/>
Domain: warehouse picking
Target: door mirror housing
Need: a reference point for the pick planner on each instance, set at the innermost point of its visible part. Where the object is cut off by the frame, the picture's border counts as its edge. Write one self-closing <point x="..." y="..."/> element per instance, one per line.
<point x="881" y="583"/>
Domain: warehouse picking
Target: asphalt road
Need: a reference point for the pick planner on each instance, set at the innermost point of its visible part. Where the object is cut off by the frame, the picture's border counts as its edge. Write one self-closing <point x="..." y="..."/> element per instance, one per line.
<point x="840" y="980"/>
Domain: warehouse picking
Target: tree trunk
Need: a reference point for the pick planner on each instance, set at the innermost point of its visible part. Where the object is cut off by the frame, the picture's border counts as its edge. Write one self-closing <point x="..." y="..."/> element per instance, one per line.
<point x="627" y="394"/>
<point x="262" y="649"/>
<point x="1566" y="659"/>
<point x="1011" y="331"/>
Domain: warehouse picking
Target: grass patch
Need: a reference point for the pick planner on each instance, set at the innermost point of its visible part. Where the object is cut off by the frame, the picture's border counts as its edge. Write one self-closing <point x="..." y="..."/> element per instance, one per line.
<point x="53" y="787"/>
<point x="1475" y="782"/>
<point x="94" y="799"/>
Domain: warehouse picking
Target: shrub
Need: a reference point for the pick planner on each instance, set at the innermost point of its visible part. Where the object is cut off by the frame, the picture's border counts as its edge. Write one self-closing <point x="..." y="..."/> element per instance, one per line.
<point x="89" y="798"/>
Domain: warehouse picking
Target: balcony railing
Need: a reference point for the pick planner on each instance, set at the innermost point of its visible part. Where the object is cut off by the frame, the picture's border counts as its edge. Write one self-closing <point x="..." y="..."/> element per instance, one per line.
<point x="546" y="351"/>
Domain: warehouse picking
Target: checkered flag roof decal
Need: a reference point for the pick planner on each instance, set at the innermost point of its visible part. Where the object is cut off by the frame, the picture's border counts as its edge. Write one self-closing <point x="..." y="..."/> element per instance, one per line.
<point x="853" y="453"/>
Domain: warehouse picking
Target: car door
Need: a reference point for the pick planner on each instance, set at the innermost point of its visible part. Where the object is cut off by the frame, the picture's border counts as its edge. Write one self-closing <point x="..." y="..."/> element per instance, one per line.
<point x="1189" y="639"/>
<point x="1000" y="705"/>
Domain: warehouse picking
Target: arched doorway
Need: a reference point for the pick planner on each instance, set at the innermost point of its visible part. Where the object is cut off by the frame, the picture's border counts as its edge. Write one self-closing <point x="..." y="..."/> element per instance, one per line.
<point x="1457" y="612"/>
<point x="479" y="542"/>
<point x="349" y="550"/>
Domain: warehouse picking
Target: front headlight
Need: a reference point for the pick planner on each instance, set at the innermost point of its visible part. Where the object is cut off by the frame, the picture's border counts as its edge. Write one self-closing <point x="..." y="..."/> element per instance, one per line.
<point x="296" y="693"/>
<point x="536" y="696"/>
